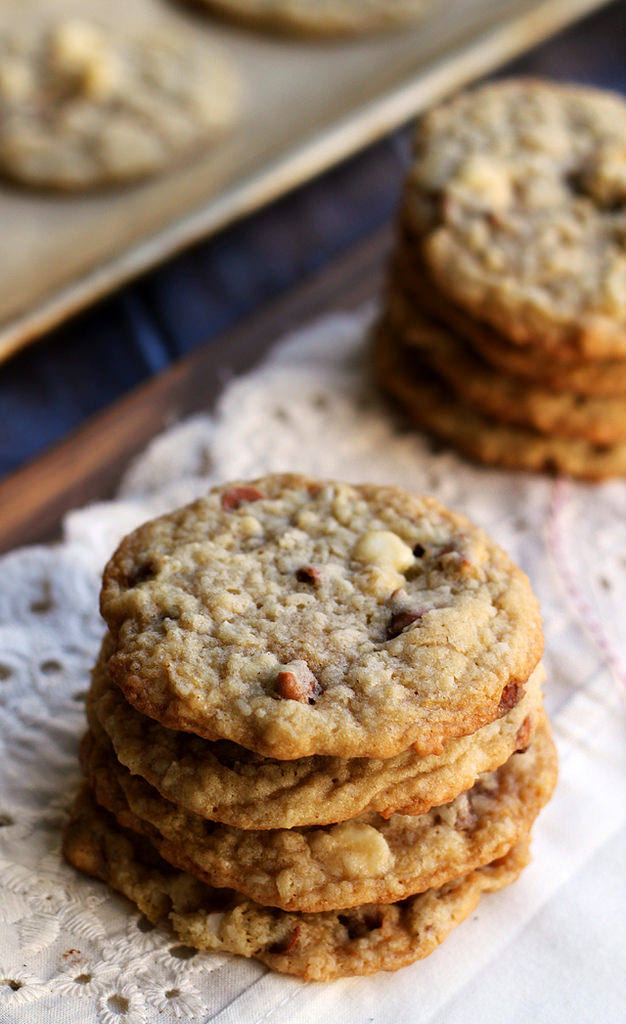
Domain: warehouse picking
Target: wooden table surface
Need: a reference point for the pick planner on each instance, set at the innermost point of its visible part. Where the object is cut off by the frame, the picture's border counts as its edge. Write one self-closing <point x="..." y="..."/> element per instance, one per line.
<point x="86" y="465"/>
<point x="213" y="311"/>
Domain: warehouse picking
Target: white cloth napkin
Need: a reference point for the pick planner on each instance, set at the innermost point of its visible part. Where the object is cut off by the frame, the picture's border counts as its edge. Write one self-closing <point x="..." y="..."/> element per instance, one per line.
<point x="548" y="949"/>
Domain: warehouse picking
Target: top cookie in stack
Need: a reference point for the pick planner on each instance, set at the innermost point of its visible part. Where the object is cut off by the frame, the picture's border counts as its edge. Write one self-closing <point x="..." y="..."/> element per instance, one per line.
<point x="505" y="327"/>
<point x="312" y="697"/>
<point x="298" y="618"/>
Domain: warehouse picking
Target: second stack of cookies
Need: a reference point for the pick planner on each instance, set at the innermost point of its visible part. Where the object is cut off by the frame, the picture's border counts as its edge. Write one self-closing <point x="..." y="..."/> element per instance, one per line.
<point x="321" y="706"/>
<point x="505" y="324"/>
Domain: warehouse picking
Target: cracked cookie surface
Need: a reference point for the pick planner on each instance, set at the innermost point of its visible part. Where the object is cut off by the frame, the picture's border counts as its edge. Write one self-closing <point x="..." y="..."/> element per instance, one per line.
<point x="299" y="617"/>
<point x="83" y="106"/>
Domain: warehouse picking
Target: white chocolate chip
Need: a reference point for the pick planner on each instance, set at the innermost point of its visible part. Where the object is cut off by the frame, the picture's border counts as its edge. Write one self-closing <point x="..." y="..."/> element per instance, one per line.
<point x="353" y="850"/>
<point x="214" y="921"/>
<point x="73" y="43"/>
<point x="383" y="548"/>
<point x="78" y="49"/>
<point x="250" y="526"/>
<point x="486" y="181"/>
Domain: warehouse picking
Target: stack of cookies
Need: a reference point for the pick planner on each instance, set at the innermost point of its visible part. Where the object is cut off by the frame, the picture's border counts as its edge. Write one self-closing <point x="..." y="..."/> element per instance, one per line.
<point x="505" y="326"/>
<point x="316" y="733"/>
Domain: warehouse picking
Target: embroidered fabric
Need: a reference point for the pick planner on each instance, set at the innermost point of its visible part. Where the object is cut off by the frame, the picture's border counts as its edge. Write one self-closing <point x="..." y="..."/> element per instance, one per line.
<point x="72" y="951"/>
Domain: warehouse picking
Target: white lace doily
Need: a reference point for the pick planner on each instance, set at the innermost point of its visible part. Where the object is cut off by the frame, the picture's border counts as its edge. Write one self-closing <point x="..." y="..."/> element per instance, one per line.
<point x="70" y="951"/>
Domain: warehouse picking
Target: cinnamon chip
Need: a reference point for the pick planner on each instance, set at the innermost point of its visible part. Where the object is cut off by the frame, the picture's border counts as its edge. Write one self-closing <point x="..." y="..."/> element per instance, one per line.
<point x="400" y="620"/>
<point x="309" y="574"/>
<point x="238" y="496"/>
<point x="511" y="695"/>
<point x="286" y="946"/>
<point x="291" y="687"/>
<point x="454" y="548"/>
<point x="522" y="740"/>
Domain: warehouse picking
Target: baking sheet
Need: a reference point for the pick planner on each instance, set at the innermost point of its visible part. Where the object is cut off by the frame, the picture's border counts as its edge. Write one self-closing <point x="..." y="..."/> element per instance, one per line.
<point x="305" y="105"/>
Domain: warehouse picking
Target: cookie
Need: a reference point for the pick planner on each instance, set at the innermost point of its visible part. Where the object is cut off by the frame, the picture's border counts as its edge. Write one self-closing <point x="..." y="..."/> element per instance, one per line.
<point x="297" y="617"/>
<point x="365" y="860"/>
<point x="317" y="947"/>
<point x="504" y="397"/>
<point x="226" y="783"/>
<point x="596" y="378"/>
<point x="559" y="371"/>
<point x="84" y="106"/>
<point x="321" y="17"/>
<point x="431" y="405"/>
<point x="518" y="192"/>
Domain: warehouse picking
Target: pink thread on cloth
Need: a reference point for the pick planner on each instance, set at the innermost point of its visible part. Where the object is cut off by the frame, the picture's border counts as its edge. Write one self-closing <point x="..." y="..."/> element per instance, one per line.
<point x="590" y="621"/>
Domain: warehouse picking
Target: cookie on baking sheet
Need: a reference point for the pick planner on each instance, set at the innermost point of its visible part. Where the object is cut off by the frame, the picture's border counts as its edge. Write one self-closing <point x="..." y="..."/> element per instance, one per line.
<point x="506" y="398"/>
<point x="559" y="371"/>
<point x="299" y="617"/>
<point x="364" y="860"/>
<point x="430" y="404"/>
<point x="317" y="947"/>
<point x="321" y="17"/>
<point x="227" y="783"/>
<point x="518" y="192"/>
<point x="84" y="106"/>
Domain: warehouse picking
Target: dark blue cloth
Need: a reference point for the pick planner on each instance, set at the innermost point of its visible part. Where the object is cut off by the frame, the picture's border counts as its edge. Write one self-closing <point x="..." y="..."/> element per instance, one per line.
<point x="51" y="387"/>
